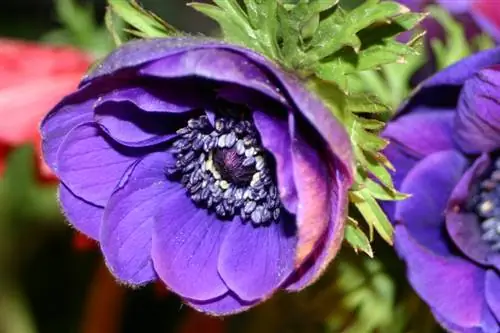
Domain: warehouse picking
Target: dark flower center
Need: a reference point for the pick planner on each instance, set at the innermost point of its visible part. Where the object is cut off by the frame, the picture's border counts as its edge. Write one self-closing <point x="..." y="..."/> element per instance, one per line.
<point x="225" y="169"/>
<point x="486" y="203"/>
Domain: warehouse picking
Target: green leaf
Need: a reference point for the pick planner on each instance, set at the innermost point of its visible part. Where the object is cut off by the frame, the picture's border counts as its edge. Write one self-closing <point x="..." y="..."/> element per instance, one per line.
<point x="145" y="23"/>
<point x="374" y="215"/>
<point x="110" y="21"/>
<point x="339" y="31"/>
<point x="456" y="47"/>
<point x="357" y="238"/>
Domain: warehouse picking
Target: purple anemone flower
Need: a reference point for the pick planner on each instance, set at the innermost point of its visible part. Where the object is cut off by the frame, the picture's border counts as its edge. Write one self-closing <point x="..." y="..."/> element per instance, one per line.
<point x="204" y="165"/>
<point x="445" y="146"/>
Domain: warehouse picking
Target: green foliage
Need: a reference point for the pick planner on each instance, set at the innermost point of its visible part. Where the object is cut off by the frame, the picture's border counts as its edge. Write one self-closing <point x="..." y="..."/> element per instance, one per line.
<point x="80" y="28"/>
<point x="143" y="23"/>
<point x="456" y="46"/>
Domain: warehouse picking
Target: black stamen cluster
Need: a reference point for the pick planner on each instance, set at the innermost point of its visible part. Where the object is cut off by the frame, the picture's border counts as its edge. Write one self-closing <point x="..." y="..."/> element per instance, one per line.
<point x="224" y="168"/>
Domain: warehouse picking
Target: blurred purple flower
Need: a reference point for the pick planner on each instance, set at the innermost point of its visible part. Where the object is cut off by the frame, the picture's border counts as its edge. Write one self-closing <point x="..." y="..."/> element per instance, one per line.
<point x="445" y="145"/>
<point x="204" y="165"/>
<point x="475" y="15"/>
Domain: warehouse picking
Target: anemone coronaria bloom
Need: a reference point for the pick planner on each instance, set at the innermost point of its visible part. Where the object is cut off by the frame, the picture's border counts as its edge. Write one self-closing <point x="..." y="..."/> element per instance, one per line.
<point x="445" y="145"/>
<point x="204" y="165"/>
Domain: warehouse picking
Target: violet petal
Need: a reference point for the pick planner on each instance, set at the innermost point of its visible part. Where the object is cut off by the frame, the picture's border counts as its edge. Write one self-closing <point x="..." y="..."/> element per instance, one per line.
<point x="89" y="165"/>
<point x="275" y="137"/>
<point x="492" y="292"/>
<point x="84" y="216"/>
<point x="226" y="304"/>
<point x="254" y="261"/>
<point x="186" y="245"/>
<point x="430" y="182"/>
<point x="127" y="225"/>
<point x="454" y="287"/>
<point x="423" y="133"/>
<point x="55" y="128"/>
<point x="477" y="126"/>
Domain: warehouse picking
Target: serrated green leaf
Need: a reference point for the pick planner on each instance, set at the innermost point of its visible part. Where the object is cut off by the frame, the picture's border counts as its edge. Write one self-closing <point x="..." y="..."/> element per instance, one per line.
<point x="374" y="215"/>
<point x="109" y="20"/>
<point x="342" y="31"/>
<point x="357" y="239"/>
<point x="147" y="23"/>
<point x="365" y="103"/>
<point x="457" y="46"/>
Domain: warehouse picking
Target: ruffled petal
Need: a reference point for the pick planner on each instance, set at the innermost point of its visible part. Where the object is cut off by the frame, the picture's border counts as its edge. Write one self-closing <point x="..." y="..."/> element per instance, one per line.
<point x="430" y="182"/>
<point x="90" y="165"/>
<point x="167" y="97"/>
<point x="131" y="126"/>
<point x="314" y="186"/>
<point x="492" y="292"/>
<point x="463" y="227"/>
<point x="182" y="57"/>
<point x="423" y="133"/>
<point x="226" y="304"/>
<point x="452" y="286"/>
<point x="127" y="226"/>
<point x="186" y="245"/>
<point x="329" y="244"/>
<point x="452" y="327"/>
<point x="254" y="261"/>
<point x="84" y="216"/>
<point x="275" y="137"/>
<point x="477" y="126"/>
<point x="448" y="82"/>
<point x="57" y="124"/>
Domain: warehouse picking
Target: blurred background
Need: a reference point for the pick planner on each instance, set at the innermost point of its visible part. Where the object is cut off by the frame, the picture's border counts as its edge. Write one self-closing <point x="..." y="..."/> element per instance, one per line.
<point x="53" y="280"/>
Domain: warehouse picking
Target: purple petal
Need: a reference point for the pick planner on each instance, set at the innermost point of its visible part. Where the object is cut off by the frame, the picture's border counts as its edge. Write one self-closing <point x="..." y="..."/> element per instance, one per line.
<point x="90" y="165"/>
<point x="452" y="286"/>
<point x="167" y="97"/>
<point x="447" y="83"/>
<point x="56" y="125"/>
<point x="423" y="133"/>
<point x="275" y="137"/>
<point x="316" y="189"/>
<point x="186" y="245"/>
<point x="179" y="57"/>
<point x="452" y="327"/>
<point x="127" y="226"/>
<point x="492" y="292"/>
<point x="218" y="64"/>
<point x="131" y="126"/>
<point x="463" y="227"/>
<point x="430" y="183"/>
<point x="478" y="117"/>
<point x="254" y="261"/>
<point x="329" y="244"/>
<point x="226" y="304"/>
<point x="84" y="216"/>
<point x="461" y="71"/>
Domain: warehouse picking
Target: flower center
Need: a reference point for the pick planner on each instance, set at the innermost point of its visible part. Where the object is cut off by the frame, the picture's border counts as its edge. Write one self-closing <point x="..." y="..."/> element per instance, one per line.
<point x="225" y="169"/>
<point x="486" y="203"/>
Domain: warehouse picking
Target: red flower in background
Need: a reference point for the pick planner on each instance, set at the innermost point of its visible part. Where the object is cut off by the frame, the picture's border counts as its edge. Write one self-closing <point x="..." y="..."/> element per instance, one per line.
<point x="33" y="78"/>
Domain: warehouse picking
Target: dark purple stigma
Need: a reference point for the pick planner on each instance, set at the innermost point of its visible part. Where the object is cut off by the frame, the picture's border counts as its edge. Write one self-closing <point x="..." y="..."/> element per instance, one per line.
<point x="232" y="166"/>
